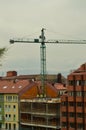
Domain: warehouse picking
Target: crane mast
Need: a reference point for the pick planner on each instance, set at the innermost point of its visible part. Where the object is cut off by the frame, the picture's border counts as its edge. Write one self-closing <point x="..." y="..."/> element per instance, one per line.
<point x="42" y="40"/>
<point x="43" y="62"/>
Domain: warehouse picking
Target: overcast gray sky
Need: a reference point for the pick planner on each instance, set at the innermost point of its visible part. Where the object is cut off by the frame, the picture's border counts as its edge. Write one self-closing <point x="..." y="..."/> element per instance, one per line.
<point x="63" y="19"/>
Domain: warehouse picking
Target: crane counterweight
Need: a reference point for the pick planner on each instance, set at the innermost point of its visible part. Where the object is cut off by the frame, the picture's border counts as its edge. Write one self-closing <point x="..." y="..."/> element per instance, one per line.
<point x="11" y="41"/>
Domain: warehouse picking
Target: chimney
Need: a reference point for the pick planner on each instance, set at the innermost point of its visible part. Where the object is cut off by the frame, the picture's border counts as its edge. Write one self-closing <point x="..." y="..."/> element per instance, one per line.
<point x="11" y="73"/>
<point x="59" y="78"/>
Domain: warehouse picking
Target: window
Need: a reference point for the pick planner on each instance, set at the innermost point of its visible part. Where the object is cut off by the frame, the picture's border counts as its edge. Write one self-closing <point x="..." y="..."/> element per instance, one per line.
<point x="6" y="98"/>
<point x="14" y="126"/>
<point x="9" y="98"/>
<point x="6" y="126"/>
<point x="15" y="98"/>
<point x="6" y="117"/>
<point x="79" y="93"/>
<point x="1" y="98"/>
<point x="5" y="107"/>
<point x="14" y="107"/>
<point x="80" y="104"/>
<point x="80" y="126"/>
<point x="9" y="116"/>
<point x="14" y="117"/>
<point x="64" y="124"/>
<point x="71" y="82"/>
<point x="78" y="82"/>
<point x="83" y="83"/>
<point x="9" y="126"/>
<point x="64" y="114"/>
<point x="72" y="125"/>
<point x="9" y="107"/>
<point x="80" y="115"/>
<point x="71" y="93"/>
<point x="71" y="114"/>
<point x="64" y="103"/>
<point x="71" y="104"/>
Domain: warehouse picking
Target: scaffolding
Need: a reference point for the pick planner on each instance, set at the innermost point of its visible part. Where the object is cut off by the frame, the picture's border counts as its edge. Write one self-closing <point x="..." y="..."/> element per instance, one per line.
<point x="40" y="114"/>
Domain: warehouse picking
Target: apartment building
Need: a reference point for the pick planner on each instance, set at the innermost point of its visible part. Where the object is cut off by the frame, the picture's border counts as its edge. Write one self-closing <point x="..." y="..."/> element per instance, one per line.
<point x="10" y="93"/>
<point x="74" y="103"/>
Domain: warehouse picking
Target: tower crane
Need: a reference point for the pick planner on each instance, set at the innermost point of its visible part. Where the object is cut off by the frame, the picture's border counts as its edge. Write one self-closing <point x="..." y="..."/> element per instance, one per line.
<point x="43" y="40"/>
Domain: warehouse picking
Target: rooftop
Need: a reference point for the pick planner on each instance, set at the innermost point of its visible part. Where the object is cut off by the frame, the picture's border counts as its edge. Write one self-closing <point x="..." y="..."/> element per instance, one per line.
<point x="12" y="87"/>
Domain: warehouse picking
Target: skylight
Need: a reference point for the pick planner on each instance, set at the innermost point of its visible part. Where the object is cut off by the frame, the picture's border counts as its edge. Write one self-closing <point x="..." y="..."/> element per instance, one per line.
<point x="5" y="87"/>
<point x="13" y="86"/>
<point x="20" y="86"/>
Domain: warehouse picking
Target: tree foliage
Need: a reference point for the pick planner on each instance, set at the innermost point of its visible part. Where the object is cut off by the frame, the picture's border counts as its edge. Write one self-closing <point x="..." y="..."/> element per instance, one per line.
<point x="2" y="51"/>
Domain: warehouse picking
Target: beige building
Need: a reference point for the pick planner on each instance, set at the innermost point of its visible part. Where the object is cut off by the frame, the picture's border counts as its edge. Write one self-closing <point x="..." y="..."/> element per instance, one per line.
<point x="11" y="111"/>
<point x="10" y="93"/>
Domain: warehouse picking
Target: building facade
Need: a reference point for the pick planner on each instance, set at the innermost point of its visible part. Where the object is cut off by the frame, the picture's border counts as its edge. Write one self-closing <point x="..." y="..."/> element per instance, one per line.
<point x="74" y="103"/>
<point x="10" y="93"/>
<point x="11" y="117"/>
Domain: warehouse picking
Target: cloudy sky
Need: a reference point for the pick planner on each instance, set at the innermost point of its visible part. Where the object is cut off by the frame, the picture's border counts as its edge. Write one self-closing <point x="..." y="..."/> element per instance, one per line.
<point x="62" y="19"/>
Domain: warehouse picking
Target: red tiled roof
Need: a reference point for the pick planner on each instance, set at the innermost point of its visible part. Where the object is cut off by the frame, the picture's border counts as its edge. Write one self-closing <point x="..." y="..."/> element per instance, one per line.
<point x="80" y="70"/>
<point x="59" y="86"/>
<point x="12" y="87"/>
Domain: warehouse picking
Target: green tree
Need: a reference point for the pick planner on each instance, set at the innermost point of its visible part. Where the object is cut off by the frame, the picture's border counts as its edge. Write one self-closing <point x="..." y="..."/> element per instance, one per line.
<point x="2" y="51"/>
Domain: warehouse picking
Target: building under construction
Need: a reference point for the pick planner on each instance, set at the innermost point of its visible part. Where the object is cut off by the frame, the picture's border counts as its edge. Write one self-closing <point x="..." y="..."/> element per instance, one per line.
<point x="40" y="114"/>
